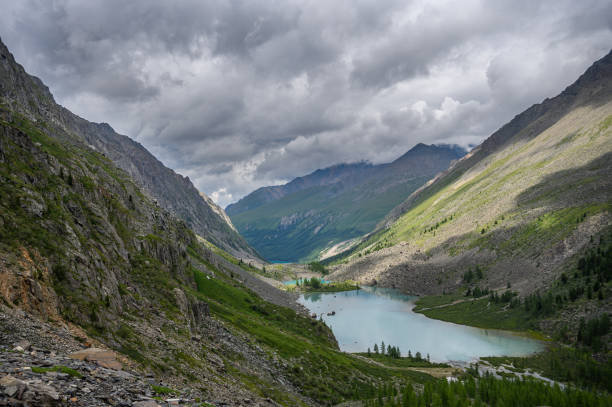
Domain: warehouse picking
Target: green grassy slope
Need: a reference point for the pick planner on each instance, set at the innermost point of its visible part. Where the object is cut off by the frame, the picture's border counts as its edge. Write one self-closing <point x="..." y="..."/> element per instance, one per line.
<point x="520" y="201"/>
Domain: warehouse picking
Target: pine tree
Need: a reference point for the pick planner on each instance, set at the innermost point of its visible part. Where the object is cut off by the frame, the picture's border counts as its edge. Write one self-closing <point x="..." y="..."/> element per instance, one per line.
<point x="376" y="349"/>
<point x="382" y="348"/>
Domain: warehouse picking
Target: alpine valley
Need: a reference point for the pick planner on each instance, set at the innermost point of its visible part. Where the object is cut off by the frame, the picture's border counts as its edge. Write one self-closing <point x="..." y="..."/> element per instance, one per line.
<point x="122" y="285"/>
<point x="323" y="211"/>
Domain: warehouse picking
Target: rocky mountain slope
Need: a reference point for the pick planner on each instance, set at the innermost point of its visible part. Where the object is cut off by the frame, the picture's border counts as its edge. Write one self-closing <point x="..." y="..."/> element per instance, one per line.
<point x="27" y="95"/>
<point x="89" y="262"/>
<point x="522" y="207"/>
<point x="299" y="220"/>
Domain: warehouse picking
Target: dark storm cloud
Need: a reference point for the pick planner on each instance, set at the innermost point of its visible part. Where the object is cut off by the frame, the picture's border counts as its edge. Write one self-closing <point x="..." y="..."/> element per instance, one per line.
<point x="240" y="94"/>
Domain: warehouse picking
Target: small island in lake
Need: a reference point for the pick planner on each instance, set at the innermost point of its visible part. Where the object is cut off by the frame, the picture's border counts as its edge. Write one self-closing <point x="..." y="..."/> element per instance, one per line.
<point x="315" y="284"/>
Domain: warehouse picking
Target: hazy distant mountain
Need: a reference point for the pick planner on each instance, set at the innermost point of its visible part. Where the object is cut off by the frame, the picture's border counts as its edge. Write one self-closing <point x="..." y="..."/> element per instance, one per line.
<point x="298" y="220"/>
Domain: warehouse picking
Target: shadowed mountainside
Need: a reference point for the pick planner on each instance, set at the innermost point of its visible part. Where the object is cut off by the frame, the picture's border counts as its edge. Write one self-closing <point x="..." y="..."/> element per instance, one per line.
<point x="299" y="220"/>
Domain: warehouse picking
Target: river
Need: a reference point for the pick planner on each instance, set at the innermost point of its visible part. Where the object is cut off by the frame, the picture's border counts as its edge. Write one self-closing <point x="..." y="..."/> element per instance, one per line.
<point x="372" y="315"/>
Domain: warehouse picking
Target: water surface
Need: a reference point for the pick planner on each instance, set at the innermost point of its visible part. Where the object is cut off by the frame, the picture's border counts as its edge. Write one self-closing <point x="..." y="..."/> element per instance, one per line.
<point x="372" y="315"/>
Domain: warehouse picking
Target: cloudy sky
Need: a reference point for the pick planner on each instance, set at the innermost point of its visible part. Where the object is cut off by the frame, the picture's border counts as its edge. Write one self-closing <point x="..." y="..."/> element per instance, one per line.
<point x="241" y="94"/>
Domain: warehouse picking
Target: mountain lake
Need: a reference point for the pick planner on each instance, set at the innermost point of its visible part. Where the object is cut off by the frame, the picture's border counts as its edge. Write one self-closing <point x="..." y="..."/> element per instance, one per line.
<point x="371" y="315"/>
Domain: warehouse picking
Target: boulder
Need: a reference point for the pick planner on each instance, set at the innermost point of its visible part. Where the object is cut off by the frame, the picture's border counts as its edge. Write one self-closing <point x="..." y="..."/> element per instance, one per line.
<point x="42" y="394"/>
<point x="102" y="357"/>
<point x="25" y="345"/>
<point x="13" y="387"/>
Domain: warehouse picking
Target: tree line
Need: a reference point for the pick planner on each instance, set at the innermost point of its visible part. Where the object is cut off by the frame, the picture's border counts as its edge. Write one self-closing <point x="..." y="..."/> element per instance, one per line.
<point x="395" y="353"/>
<point x="485" y="391"/>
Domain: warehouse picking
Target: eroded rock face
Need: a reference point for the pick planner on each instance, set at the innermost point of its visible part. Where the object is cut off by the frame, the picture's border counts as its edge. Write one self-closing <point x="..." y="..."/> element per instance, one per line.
<point x="195" y="312"/>
<point x="28" y="284"/>
<point x="201" y="312"/>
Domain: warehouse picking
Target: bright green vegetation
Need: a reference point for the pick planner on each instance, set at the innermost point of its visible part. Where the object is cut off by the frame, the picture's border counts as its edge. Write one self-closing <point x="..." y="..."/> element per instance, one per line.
<point x="486" y="391"/>
<point x="481" y="313"/>
<point x="60" y="369"/>
<point x="306" y="344"/>
<point x="436" y="300"/>
<point x="315" y="285"/>
<point x="550" y="227"/>
<point x="318" y="268"/>
<point x="163" y="391"/>
<point x="334" y="286"/>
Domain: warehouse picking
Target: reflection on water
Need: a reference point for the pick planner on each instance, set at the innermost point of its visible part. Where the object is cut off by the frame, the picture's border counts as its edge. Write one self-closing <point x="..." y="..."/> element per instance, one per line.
<point x="312" y="297"/>
<point x="372" y="315"/>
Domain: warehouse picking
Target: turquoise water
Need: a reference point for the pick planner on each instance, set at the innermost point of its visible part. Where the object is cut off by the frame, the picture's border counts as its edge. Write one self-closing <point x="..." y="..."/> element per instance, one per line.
<point x="293" y="282"/>
<point x="372" y="315"/>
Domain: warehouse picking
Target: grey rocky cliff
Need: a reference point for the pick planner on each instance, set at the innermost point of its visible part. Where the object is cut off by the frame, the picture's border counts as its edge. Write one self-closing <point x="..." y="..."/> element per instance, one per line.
<point x="27" y="95"/>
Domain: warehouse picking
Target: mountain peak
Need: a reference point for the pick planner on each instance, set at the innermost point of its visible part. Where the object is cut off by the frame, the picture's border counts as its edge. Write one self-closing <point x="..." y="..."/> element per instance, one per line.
<point x="422" y="149"/>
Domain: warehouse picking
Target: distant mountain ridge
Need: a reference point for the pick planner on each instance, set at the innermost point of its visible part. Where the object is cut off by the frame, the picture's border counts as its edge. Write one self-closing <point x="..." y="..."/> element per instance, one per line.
<point x="27" y="94"/>
<point x="327" y="176"/>
<point x="298" y="220"/>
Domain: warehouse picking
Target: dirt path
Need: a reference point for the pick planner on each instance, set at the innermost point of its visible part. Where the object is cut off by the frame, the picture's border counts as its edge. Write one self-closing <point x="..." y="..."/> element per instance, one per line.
<point x="437" y="372"/>
<point x="448" y="305"/>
